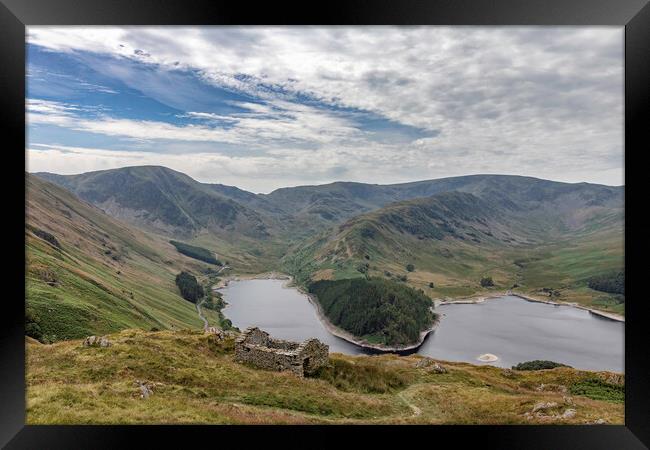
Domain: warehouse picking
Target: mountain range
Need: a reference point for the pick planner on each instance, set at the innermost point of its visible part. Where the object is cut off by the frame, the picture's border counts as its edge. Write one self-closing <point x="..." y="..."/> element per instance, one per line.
<point x="441" y="235"/>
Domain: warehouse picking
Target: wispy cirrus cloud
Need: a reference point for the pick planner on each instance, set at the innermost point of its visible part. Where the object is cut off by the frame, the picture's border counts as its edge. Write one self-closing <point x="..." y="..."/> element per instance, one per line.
<point x="261" y="125"/>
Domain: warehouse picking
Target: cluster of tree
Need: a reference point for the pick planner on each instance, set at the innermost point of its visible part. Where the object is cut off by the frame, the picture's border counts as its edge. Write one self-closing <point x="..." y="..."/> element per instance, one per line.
<point x="379" y="309"/>
<point x="213" y="300"/>
<point x="49" y="237"/>
<point x="403" y="278"/>
<point x="190" y="289"/>
<point x="32" y="328"/>
<point x="538" y="364"/>
<point x="200" y="253"/>
<point x="613" y="283"/>
<point x="487" y="282"/>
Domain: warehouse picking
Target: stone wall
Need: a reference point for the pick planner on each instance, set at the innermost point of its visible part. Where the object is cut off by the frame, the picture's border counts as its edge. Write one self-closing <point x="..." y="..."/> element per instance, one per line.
<point x="314" y="355"/>
<point x="257" y="348"/>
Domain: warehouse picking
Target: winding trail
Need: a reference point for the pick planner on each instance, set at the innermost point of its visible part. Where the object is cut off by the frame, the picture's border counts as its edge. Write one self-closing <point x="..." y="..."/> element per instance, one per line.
<point x="416" y="411"/>
<point x="198" y="305"/>
<point x="201" y="316"/>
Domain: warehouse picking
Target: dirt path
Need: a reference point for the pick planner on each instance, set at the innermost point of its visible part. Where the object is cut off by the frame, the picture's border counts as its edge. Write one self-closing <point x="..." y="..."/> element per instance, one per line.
<point x="201" y="316"/>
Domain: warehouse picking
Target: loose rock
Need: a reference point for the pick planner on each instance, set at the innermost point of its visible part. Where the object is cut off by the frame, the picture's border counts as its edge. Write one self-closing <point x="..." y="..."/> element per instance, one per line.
<point x="145" y="389"/>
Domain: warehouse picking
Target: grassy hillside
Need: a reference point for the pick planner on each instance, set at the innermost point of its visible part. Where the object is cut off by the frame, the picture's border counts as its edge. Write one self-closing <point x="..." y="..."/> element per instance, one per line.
<point x="102" y="276"/>
<point x="318" y="206"/>
<point x="538" y="236"/>
<point x="172" y="202"/>
<point x="163" y="200"/>
<point x="452" y="240"/>
<point x="195" y="380"/>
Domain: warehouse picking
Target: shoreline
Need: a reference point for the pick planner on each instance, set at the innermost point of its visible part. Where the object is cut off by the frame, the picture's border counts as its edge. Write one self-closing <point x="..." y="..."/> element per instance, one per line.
<point x="597" y="312"/>
<point x="346" y="336"/>
<point x="223" y="282"/>
<point x="329" y="326"/>
<point x="483" y="298"/>
<point x="359" y="342"/>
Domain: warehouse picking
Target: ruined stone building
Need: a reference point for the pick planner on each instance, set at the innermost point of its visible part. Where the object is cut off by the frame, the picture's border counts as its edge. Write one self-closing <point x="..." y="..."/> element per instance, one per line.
<point x="257" y="348"/>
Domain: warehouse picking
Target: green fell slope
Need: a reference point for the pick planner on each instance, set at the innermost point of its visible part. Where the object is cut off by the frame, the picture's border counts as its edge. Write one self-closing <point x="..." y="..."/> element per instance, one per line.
<point x="102" y="276"/>
<point x="445" y="244"/>
<point x="163" y="200"/>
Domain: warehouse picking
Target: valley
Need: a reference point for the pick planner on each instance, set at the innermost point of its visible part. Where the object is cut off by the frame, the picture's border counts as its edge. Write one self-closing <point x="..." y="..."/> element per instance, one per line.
<point x="105" y="250"/>
<point x="326" y="225"/>
<point x="442" y="237"/>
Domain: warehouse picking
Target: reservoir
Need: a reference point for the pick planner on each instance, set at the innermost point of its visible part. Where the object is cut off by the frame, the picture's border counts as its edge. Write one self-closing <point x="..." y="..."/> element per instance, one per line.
<point x="513" y="329"/>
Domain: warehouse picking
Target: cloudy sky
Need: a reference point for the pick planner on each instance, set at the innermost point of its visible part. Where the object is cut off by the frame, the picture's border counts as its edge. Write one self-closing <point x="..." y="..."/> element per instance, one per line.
<point x="266" y="107"/>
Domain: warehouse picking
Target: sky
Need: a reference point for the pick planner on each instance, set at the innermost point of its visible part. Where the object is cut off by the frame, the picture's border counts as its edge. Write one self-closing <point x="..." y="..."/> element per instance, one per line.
<point x="267" y="107"/>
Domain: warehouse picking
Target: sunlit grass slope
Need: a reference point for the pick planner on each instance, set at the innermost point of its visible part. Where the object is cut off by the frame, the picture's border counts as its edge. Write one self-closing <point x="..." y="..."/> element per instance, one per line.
<point x="102" y="276"/>
<point x="195" y="380"/>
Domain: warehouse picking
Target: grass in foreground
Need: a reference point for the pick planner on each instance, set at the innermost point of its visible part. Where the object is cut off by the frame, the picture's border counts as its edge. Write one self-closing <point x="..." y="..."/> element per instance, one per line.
<point x="195" y="380"/>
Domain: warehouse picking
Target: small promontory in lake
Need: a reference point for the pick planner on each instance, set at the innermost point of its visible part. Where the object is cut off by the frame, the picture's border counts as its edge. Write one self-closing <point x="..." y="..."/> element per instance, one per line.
<point x="379" y="311"/>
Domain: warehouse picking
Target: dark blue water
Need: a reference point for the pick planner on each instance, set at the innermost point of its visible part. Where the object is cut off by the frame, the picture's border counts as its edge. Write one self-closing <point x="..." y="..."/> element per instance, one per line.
<point x="511" y="328"/>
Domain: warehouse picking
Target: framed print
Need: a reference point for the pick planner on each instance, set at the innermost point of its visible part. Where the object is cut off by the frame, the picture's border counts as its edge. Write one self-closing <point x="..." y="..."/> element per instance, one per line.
<point x="366" y="219"/>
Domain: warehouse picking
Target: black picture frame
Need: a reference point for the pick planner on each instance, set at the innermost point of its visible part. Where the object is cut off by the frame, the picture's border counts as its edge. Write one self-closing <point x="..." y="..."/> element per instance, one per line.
<point x="16" y="14"/>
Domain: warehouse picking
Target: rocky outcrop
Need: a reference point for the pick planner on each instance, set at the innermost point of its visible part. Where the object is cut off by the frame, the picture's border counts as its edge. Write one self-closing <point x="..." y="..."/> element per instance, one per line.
<point x="617" y="379"/>
<point x="257" y="348"/>
<point x="551" y="411"/>
<point x="422" y="363"/>
<point x="96" y="341"/>
<point x="542" y="406"/>
<point x="569" y="413"/>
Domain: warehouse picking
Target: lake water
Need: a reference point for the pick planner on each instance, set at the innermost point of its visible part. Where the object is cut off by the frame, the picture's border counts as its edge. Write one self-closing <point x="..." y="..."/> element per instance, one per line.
<point x="509" y="327"/>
